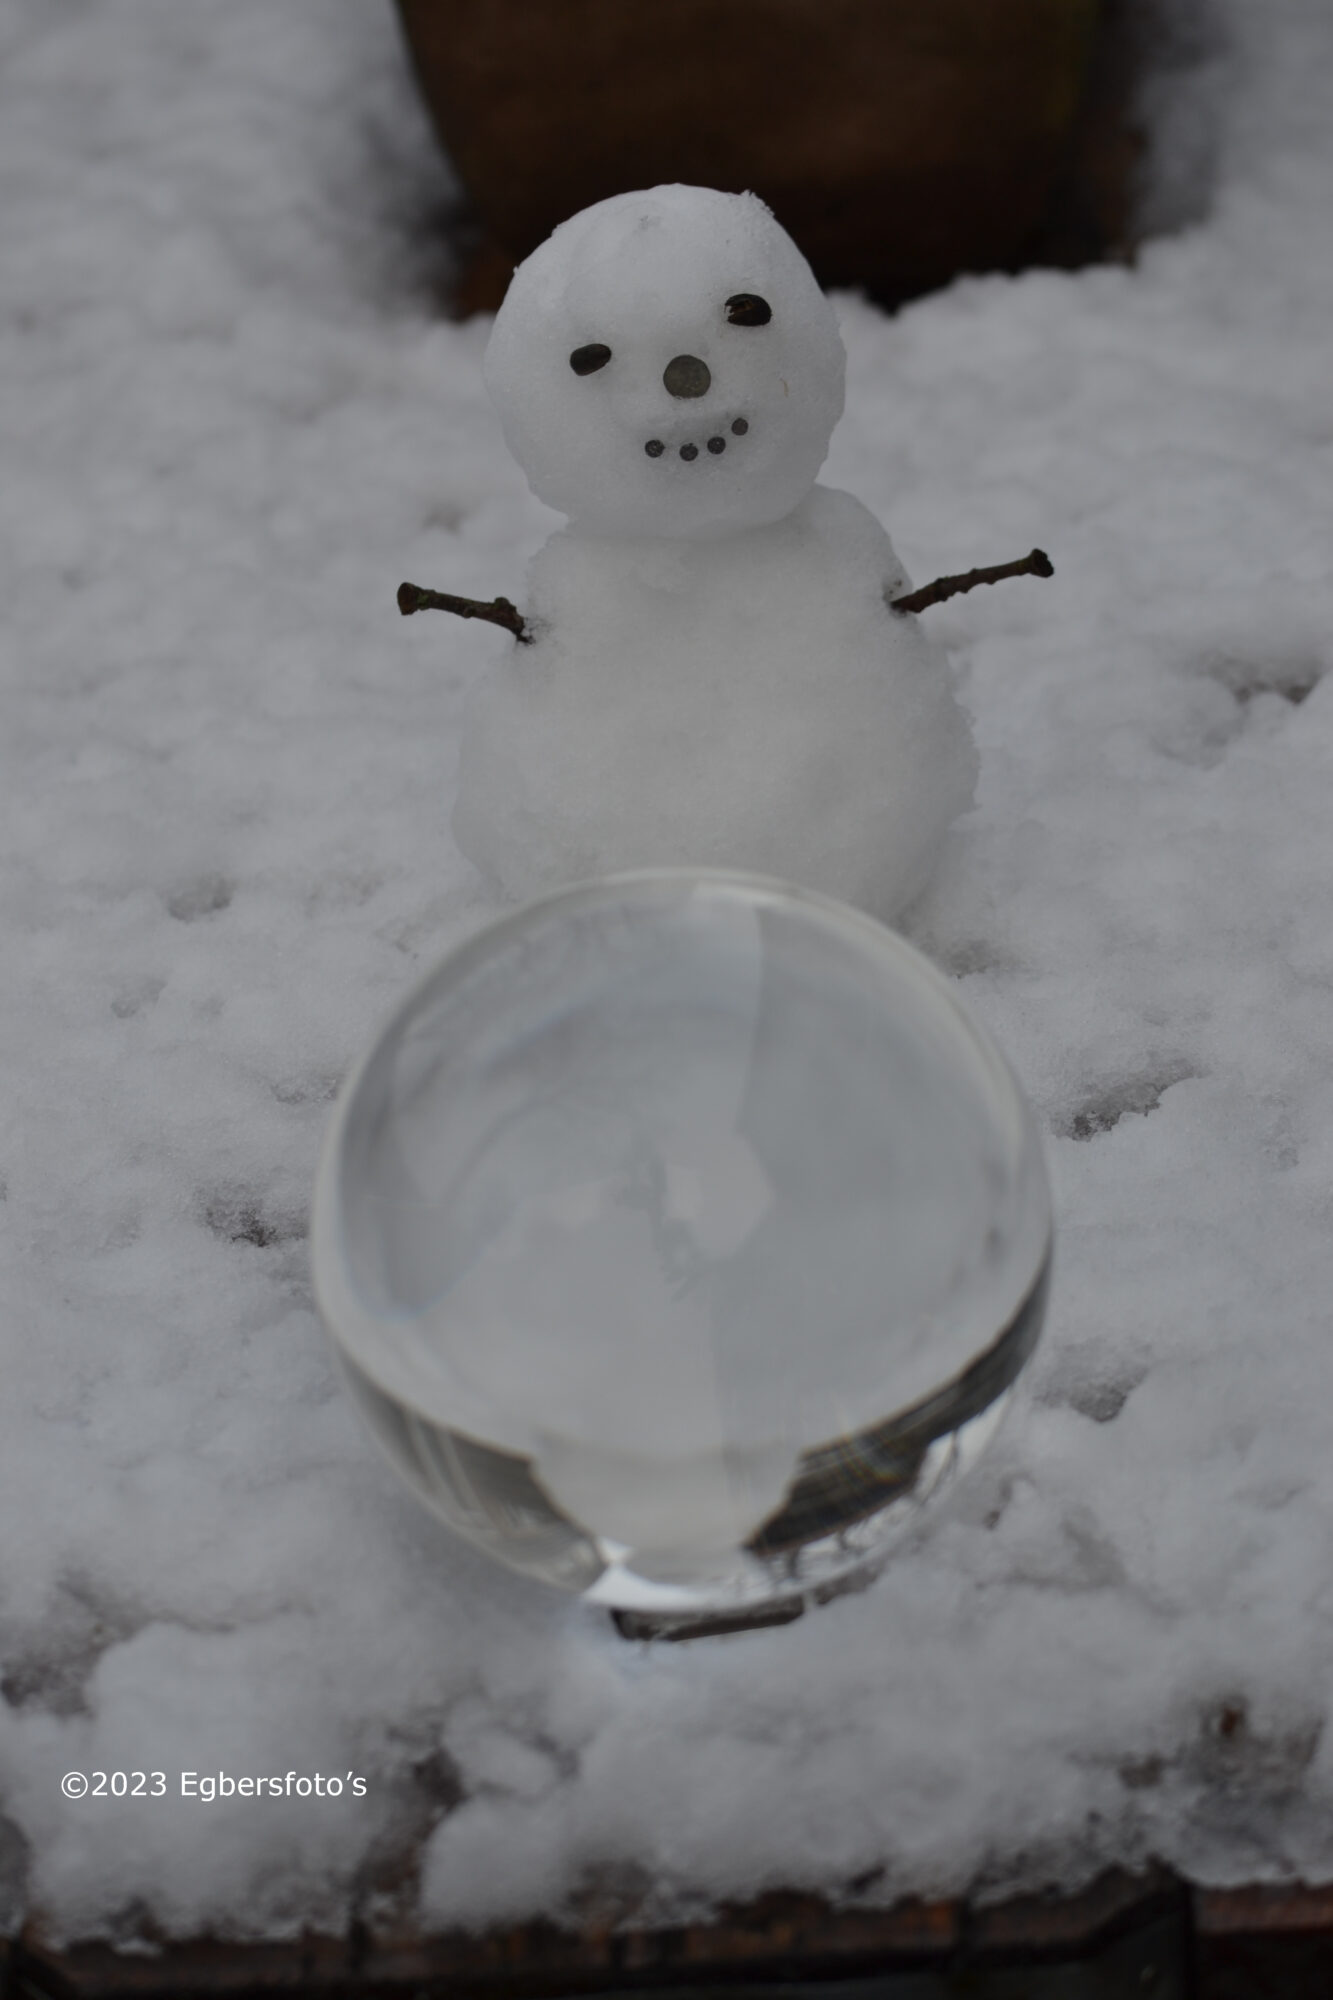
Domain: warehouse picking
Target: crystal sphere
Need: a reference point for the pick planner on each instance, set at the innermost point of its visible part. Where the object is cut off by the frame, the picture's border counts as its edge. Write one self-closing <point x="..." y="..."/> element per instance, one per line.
<point x="681" y="1236"/>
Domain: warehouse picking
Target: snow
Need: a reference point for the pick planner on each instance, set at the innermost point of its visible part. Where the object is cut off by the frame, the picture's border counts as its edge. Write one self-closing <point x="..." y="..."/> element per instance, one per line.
<point x="711" y="674"/>
<point x="233" y="421"/>
<point x="647" y="279"/>
<point x="744" y="701"/>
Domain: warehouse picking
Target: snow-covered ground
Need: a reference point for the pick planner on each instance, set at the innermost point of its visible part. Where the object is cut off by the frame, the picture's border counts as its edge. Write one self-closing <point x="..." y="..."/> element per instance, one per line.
<point x="233" y="419"/>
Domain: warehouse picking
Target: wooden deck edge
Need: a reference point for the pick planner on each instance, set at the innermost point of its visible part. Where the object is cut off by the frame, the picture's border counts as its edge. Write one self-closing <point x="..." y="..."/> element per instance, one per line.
<point x="794" y="1937"/>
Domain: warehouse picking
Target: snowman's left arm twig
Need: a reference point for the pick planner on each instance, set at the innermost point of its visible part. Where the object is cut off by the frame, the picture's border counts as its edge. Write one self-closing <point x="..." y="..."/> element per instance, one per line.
<point x="1036" y="564"/>
<point x="499" y="611"/>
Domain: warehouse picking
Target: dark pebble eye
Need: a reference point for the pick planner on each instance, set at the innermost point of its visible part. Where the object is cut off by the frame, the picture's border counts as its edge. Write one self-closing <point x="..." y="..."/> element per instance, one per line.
<point x="587" y="360"/>
<point x="748" y="309"/>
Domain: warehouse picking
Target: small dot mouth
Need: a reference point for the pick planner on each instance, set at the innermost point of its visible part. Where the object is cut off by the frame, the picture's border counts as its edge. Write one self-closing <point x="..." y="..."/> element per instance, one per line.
<point x="715" y="443"/>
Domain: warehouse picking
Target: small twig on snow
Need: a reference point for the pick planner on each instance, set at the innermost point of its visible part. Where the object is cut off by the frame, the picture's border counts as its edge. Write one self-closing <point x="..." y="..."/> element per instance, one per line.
<point x="411" y="597"/>
<point x="1036" y="564"/>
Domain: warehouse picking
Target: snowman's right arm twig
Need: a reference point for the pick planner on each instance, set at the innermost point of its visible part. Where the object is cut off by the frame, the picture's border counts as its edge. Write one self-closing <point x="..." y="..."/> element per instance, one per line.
<point x="1036" y="564"/>
<point x="411" y="597"/>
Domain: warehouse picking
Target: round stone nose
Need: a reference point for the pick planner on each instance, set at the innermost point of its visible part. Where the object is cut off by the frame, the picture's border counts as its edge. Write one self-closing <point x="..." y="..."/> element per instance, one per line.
<point x="687" y="375"/>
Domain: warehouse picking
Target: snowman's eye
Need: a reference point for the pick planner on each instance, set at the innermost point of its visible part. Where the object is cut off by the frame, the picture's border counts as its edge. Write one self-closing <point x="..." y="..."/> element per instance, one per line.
<point x="587" y="360"/>
<point x="748" y="309"/>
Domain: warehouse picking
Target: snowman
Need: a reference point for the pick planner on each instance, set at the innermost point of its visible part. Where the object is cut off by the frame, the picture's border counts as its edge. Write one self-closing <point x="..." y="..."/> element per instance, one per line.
<point x="709" y="671"/>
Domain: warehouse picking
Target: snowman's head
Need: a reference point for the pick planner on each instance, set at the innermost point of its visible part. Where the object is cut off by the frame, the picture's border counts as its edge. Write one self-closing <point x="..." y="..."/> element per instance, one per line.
<point x="665" y="364"/>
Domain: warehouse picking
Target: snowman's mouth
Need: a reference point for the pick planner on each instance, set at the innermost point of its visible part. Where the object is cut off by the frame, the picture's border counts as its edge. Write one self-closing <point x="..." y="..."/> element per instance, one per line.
<point x="690" y="449"/>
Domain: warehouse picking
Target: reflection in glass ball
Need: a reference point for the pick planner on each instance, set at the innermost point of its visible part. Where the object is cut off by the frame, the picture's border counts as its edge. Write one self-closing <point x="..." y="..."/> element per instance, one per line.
<point x="681" y="1236"/>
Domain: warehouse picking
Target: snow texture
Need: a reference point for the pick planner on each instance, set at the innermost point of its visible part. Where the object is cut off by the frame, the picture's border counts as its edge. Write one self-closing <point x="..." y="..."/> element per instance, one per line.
<point x="746" y="701"/>
<point x="713" y="676"/>
<point x="640" y="323"/>
<point x="233" y="420"/>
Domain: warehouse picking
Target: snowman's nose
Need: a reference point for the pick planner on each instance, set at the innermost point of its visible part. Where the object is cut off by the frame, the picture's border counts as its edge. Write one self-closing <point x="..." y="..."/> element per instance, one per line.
<point x="687" y="375"/>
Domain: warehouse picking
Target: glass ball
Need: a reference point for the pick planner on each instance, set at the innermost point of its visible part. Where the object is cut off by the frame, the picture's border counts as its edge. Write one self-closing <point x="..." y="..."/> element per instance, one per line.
<point x="682" y="1237"/>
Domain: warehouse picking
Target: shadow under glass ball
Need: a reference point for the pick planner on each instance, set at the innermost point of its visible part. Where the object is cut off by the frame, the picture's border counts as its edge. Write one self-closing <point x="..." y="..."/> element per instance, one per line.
<point x="682" y="1238"/>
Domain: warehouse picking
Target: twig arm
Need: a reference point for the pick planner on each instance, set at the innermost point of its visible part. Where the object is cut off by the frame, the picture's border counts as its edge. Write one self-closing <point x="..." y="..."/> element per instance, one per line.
<point x="1036" y="564"/>
<point x="499" y="611"/>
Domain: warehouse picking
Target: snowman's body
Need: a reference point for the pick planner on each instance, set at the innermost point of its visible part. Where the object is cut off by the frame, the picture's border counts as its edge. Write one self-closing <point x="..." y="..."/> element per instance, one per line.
<point x="714" y="675"/>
